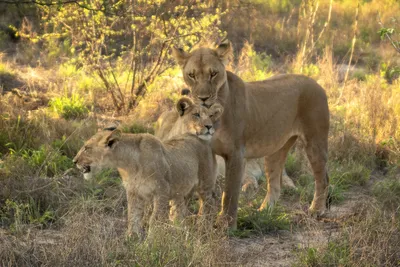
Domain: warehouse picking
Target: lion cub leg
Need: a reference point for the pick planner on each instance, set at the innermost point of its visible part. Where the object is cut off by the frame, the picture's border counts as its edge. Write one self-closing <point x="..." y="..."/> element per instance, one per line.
<point x="178" y="210"/>
<point x="207" y="203"/>
<point x="160" y="211"/>
<point x="274" y="165"/>
<point x="135" y="215"/>
<point x="207" y="180"/>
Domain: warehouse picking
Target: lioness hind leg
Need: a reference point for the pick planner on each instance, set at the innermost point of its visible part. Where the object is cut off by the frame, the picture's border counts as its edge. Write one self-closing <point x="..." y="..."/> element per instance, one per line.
<point x="274" y="165"/>
<point x="317" y="153"/>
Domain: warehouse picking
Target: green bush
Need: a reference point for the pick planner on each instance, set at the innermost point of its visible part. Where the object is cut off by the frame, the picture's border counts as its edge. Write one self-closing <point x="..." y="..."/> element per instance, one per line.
<point x="69" y="107"/>
<point x="46" y="160"/>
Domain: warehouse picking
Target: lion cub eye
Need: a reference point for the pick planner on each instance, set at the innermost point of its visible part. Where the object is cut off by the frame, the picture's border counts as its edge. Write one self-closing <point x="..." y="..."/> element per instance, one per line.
<point x="192" y="76"/>
<point x="213" y="74"/>
<point x="197" y="115"/>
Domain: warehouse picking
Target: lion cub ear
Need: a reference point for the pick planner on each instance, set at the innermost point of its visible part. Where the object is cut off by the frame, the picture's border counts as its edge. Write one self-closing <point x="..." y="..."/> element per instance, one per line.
<point x="224" y="52"/>
<point x="183" y="105"/>
<point x="112" y="138"/>
<point x="179" y="55"/>
<point x="216" y="111"/>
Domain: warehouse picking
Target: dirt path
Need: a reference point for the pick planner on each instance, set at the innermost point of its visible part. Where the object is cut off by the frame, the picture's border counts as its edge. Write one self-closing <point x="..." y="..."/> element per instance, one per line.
<point x="279" y="249"/>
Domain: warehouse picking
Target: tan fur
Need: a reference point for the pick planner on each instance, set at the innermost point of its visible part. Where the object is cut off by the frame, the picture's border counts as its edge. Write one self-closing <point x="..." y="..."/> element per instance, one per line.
<point x="153" y="171"/>
<point x="260" y="119"/>
<point x="254" y="172"/>
<point x="175" y="122"/>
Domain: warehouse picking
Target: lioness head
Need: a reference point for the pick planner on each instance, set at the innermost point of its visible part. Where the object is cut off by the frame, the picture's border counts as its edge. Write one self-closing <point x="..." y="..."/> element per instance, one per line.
<point x="197" y="119"/>
<point x="204" y="71"/>
<point x="96" y="152"/>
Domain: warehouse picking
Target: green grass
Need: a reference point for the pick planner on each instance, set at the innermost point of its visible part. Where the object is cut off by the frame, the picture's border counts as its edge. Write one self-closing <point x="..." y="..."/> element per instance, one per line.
<point x="293" y="165"/>
<point x="253" y="222"/>
<point x="16" y="214"/>
<point x="46" y="160"/>
<point x="388" y="192"/>
<point x="349" y="174"/>
<point x="69" y="107"/>
<point x="337" y="253"/>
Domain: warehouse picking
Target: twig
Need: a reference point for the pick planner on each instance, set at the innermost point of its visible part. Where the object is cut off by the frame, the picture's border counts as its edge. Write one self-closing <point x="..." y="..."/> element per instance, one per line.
<point x="351" y="54"/>
<point x="393" y="43"/>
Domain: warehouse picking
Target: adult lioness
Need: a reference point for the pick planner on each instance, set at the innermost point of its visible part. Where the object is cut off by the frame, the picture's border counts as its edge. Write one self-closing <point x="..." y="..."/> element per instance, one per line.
<point x="260" y="119"/>
<point x="155" y="171"/>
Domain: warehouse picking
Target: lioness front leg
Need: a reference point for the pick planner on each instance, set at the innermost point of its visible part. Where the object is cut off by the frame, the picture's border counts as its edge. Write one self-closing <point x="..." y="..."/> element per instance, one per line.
<point x="234" y="168"/>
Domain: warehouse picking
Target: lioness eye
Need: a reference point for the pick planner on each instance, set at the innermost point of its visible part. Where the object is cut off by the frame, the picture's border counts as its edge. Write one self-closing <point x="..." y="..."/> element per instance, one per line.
<point x="192" y="76"/>
<point x="197" y="115"/>
<point x="213" y="74"/>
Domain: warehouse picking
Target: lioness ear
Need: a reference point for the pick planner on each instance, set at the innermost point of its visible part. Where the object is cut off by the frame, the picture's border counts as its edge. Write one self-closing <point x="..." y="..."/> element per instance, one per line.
<point x="183" y="105"/>
<point x="216" y="110"/>
<point x="224" y="51"/>
<point x="179" y="55"/>
<point x="112" y="138"/>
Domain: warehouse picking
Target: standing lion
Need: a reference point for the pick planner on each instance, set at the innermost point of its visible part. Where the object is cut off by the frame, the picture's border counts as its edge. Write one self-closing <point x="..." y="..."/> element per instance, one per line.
<point x="260" y="119"/>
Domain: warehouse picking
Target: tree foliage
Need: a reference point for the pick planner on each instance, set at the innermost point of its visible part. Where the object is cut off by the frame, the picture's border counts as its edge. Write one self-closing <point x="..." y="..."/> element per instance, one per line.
<point x="126" y="43"/>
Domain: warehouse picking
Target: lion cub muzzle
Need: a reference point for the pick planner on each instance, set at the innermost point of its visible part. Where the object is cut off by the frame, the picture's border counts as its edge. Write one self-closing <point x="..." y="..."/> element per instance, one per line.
<point x="206" y="133"/>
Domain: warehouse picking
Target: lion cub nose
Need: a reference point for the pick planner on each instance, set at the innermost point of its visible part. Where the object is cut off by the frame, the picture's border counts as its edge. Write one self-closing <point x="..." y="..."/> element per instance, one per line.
<point x="74" y="161"/>
<point x="204" y="98"/>
<point x="208" y="127"/>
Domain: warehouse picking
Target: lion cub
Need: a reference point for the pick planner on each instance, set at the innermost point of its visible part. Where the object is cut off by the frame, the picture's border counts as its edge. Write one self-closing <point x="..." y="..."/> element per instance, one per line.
<point x="155" y="171"/>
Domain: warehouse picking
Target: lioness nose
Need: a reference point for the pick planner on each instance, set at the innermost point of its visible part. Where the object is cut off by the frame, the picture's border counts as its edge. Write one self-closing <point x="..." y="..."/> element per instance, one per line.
<point x="74" y="161"/>
<point x="203" y="98"/>
<point x="208" y="127"/>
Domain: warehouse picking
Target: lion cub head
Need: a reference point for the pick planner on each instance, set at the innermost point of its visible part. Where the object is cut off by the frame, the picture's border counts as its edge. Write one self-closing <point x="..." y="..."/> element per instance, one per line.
<point x="204" y="71"/>
<point x="96" y="153"/>
<point x="197" y="119"/>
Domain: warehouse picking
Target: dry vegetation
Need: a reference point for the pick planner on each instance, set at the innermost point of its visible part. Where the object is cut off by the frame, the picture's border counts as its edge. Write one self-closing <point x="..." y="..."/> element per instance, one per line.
<point x="52" y="100"/>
